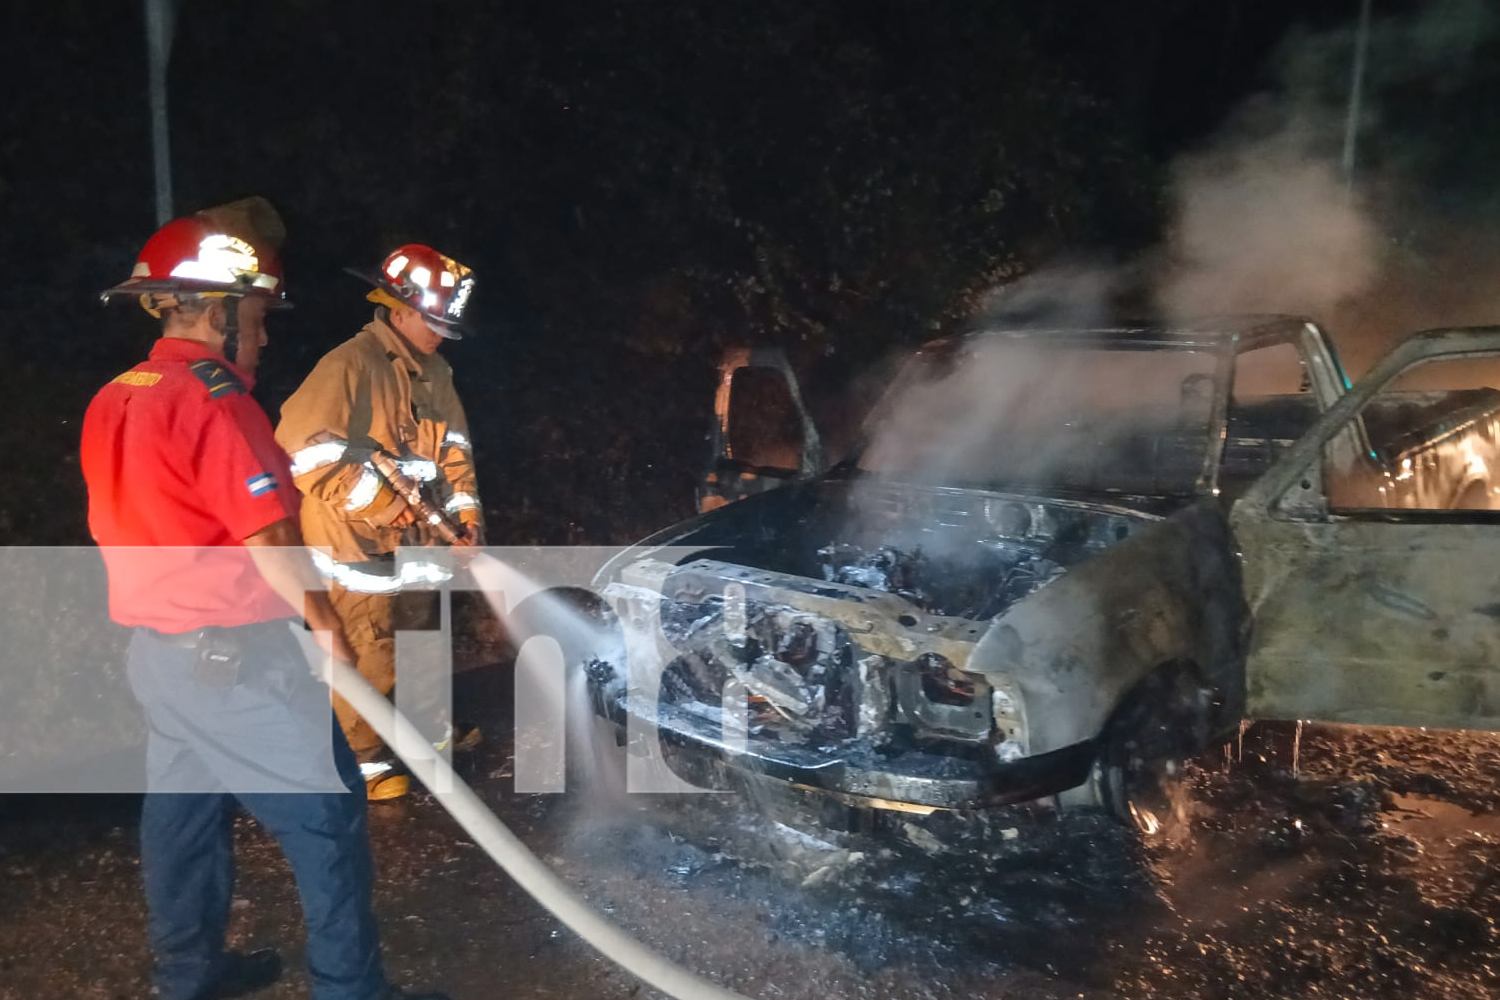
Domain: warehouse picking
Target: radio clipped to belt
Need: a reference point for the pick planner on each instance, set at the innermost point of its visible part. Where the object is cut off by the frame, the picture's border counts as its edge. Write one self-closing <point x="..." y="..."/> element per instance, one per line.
<point x="219" y="656"/>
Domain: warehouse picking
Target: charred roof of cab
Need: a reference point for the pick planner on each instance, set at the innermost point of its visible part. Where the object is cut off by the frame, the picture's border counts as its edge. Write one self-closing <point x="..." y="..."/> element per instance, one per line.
<point x="1242" y="332"/>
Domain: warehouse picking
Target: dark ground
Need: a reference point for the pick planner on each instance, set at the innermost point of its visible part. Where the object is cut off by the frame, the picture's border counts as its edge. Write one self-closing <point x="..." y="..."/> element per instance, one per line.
<point x="1367" y="873"/>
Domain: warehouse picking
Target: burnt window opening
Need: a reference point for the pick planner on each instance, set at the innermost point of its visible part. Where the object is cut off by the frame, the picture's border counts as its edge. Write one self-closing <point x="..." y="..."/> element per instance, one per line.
<point x="765" y="425"/>
<point x="1275" y="370"/>
<point x="1432" y="440"/>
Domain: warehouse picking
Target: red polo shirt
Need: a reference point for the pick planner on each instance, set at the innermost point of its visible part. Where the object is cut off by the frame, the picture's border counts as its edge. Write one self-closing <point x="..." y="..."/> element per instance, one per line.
<point x="181" y="466"/>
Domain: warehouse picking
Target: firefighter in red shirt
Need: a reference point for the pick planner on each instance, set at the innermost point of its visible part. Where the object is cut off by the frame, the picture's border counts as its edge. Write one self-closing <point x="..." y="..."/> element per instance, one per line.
<point x="193" y="506"/>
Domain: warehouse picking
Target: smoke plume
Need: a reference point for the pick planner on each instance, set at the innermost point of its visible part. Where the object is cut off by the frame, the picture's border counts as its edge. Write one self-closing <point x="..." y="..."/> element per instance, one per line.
<point x="1269" y="220"/>
<point x="1267" y="226"/>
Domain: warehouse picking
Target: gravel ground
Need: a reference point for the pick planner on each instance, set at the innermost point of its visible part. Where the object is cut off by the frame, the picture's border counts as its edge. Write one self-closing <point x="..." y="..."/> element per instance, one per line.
<point x="1365" y="872"/>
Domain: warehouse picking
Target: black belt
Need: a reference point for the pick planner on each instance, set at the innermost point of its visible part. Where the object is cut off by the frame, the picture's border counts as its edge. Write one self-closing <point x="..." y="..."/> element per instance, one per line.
<point x="187" y="640"/>
<point x="220" y="648"/>
<point x="191" y="640"/>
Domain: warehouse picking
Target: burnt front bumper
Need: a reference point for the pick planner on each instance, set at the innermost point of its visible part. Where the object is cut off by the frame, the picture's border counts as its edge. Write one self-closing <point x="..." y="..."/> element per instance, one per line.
<point x="884" y="776"/>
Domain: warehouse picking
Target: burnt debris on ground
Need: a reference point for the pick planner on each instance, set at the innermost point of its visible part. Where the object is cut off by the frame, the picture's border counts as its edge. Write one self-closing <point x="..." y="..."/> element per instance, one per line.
<point x="1366" y="872"/>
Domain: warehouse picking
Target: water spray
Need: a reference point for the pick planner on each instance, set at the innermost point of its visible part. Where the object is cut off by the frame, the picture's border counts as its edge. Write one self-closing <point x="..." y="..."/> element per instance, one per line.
<point x="506" y="849"/>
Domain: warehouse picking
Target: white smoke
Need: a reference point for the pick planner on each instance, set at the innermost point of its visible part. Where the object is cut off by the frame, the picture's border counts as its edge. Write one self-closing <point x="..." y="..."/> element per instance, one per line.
<point x="1266" y="225"/>
<point x="1265" y="221"/>
<point x="1268" y="220"/>
<point x="944" y="429"/>
<point x="1068" y="295"/>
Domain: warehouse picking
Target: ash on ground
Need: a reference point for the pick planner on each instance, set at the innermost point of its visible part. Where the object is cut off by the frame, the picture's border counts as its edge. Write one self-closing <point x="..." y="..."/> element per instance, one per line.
<point x="1368" y="872"/>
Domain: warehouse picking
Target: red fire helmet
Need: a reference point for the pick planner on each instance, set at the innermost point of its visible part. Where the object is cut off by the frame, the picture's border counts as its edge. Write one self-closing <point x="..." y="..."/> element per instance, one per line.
<point x="435" y="285"/>
<point x="194" y="257"/>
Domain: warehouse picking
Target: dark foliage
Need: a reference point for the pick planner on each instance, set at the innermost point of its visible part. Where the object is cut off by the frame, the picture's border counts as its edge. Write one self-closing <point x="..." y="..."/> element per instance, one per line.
<point x="636" y="185"/>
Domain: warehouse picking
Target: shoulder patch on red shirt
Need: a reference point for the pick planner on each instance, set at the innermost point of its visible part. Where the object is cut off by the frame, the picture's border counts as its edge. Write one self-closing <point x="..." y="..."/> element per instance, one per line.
<point x="137" y="378"/>
<point x="219" y="379"/>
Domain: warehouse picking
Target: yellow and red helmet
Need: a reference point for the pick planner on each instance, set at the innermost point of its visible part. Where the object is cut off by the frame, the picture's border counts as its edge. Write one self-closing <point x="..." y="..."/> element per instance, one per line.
<point x="194" y="257"/>
<point x="434" y="284"/>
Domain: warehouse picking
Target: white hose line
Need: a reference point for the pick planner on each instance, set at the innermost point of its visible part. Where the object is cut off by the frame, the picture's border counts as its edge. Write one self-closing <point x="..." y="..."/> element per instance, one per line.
<point x="507" y="850"/>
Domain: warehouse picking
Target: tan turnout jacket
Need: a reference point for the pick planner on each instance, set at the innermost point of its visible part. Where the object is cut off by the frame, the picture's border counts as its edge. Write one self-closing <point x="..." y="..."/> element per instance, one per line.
<point x="373" y="392"/>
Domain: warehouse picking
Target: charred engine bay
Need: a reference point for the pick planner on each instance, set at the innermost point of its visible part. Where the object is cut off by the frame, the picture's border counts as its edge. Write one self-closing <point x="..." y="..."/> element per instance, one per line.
<point x="978" y="583"/>
<point x="794" y="668"/>
<point x="953" y="552"/>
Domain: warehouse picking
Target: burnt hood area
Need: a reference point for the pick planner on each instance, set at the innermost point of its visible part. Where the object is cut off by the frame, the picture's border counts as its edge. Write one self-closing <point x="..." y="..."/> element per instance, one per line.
<point x="953" y="552"/>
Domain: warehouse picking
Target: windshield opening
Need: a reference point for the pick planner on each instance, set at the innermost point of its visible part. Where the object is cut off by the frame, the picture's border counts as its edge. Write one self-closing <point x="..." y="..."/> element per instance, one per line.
<point x="1095" y="417"/>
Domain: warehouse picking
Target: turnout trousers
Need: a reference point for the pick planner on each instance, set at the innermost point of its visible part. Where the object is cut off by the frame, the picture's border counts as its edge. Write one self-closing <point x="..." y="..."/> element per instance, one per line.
<point x="371" y="621"/>
<point x="252" y="732"/>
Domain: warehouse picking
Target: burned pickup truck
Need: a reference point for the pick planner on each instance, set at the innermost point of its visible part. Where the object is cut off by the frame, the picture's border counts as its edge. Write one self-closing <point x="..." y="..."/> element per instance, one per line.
<point x="1061" y="560"/>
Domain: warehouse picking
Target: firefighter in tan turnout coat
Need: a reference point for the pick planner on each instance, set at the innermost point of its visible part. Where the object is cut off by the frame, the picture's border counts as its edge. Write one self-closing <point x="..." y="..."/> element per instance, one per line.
<point x="385" y="389"/>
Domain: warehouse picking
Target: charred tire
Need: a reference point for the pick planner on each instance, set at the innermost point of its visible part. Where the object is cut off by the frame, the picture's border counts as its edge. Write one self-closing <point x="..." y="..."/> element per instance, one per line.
<point x="1137" y="774"/>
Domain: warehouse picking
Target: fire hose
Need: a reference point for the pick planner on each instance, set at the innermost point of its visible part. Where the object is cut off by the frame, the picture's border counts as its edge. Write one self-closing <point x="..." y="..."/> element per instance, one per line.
<point x="494" y="837"/>
<point x="513" y="856"/>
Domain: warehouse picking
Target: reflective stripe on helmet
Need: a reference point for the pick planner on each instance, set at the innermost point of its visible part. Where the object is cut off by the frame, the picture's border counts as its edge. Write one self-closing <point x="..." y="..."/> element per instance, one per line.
<point x="224" y="260"/>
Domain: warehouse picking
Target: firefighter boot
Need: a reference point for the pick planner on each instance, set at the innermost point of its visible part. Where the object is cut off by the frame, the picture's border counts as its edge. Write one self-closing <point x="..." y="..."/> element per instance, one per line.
<point x="384" y="777"/>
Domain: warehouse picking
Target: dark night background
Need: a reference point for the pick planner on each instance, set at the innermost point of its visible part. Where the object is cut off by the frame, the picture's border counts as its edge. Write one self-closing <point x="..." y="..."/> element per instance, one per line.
<point x="636" y="186"/>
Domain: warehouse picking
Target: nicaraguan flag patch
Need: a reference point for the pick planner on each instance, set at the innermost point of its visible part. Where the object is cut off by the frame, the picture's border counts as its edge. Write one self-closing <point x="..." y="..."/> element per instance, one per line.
<point x="261" y="484"/>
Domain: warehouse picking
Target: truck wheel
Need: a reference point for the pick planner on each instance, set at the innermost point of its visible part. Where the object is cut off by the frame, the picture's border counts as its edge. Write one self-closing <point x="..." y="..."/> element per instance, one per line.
<point x="1144" y="793"/>
<point x="1137" y="775"/>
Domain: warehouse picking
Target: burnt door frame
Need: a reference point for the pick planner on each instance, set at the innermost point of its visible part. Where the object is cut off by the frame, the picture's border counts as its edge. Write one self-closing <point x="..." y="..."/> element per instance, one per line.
<point x="728" y="478"/>
<point x="1377" y="617"/>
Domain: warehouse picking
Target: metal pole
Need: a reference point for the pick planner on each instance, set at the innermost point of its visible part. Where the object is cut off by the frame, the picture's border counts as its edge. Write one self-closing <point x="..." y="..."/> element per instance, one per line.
<point x="1356" y="92"/>
<point x="159" y="16"/>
